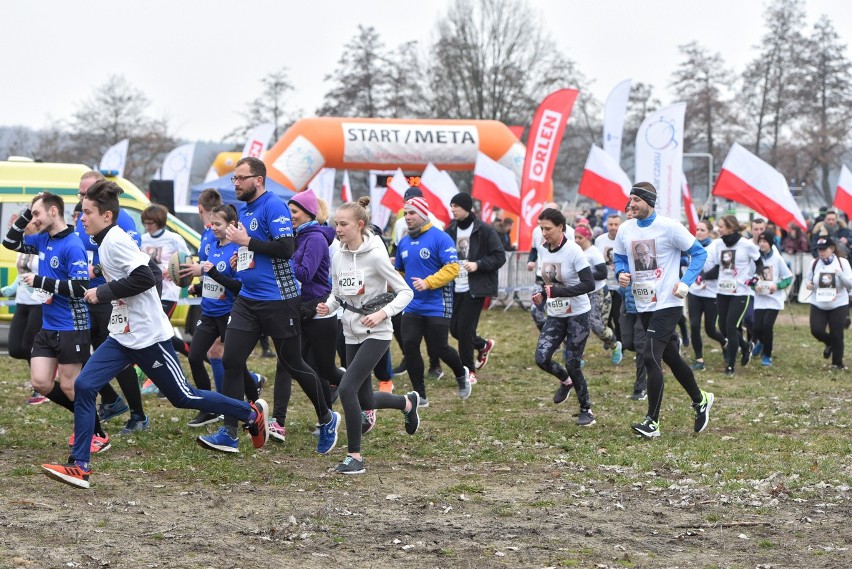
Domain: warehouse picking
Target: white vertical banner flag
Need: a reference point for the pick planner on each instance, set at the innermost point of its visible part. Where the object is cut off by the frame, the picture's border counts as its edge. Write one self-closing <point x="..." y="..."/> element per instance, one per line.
<point x="614" y="111"/>
<point x="115" y="158"/>
<point x="257" y="140"/>
<point x="323" y="184"/>
<point x="346" y="188"/>
<point x="212" y="174"/>
<point x="379" y="214"/>
<point x="177" y="166"/>
<point x="659" y="156"/>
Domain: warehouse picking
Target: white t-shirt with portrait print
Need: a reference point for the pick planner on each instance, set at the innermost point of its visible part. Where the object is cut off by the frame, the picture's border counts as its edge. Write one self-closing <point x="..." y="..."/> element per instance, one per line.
<point x="563" y="266"/>
<point x="605" y="245"/>
<point x="653" y="256"/>
<point x="775" y="270"/>
<point x="736" y="266"/>
<point x="706" y="288"/>
<point x="160" y="249"/>
<point x="463" y="249"/>
<point x="831" y="283"/>
<point x="595" y="257"/>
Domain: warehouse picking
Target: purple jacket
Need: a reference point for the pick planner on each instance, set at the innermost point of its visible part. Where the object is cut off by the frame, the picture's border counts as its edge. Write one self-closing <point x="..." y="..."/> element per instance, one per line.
<point x="311" y="260"/>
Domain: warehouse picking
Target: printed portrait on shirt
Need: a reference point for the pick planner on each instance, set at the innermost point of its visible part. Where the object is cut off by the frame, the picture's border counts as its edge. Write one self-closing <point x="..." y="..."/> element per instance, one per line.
<point x="766" y="274"/>
<point x="728" y="259"/>
<point x="153" y="252"/>
<point x="644" y="254"/>
<point x="608" y="255"/>
<point x="826" y="280"/>
<point x="463" y="246"/>
<point x="551" y="273"/>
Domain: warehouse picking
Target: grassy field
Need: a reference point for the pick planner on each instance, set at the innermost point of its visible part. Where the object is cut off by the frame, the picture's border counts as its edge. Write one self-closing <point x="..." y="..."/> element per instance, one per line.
<point x="503" y="479"/>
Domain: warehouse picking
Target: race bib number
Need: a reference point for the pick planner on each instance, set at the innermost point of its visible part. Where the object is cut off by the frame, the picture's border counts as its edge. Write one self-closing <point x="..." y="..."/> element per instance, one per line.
<point x="42" y="296"/>
<point x="119" y="320"/>
<point x="351" y="283"/>
<point x="763" y="287"/>
<point x="558" y="306"/>
<point x="211" y="289"/>
<point x="826" y="294"/>
<point x="245" y="259"/>
<point x="645" y="292"/>
<point x="461" y="280"/>
<point x="728" y="286"/>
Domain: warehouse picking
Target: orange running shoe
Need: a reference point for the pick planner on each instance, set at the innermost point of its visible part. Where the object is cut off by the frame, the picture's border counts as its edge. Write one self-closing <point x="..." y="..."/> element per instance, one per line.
<point x="258" y="429"/>
<point x="69" y="473"/>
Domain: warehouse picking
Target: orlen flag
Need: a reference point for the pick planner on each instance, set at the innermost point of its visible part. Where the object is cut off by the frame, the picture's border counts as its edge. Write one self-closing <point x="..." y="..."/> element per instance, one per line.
<point x="548" y="125"/>
<point x="748" y="180"/>
<point x="604" y="181"/>
<point x="257" y="139"/>
<point x="843" y="197"/>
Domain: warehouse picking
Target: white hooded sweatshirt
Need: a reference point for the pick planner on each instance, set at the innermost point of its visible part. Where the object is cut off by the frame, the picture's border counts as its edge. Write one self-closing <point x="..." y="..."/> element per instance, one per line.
<point x="370" y="266"/>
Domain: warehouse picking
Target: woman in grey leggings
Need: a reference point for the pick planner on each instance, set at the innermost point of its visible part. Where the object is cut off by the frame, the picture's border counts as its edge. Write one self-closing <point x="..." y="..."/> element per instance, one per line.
<point x="361" y="271"/>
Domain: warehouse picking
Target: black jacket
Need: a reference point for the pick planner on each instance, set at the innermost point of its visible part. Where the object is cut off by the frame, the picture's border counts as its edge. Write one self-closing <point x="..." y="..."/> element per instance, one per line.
<point x="487" y="251"/>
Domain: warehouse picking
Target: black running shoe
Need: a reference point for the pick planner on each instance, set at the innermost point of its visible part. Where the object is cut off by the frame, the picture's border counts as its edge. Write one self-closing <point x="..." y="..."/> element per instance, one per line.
<point x="562" y="393"/>
<point x="648" y="428"/>
<point x="702" y="411"/>
<point x="412" y="417"/>
<point x="350" y="465"/>
<point x="746" y="354"/>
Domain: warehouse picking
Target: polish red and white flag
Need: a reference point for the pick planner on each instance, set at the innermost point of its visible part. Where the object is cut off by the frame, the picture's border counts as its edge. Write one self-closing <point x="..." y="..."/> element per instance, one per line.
<point x="604" y="181"/>
<point x="438" y="188"/>
<point x="748" y="180"/>
<point x="346" y="188"/>
<point x="843" y="197"/>
<point x="688" y="205"/>
<point x="393" y="198"/>
<point x="496" y="184"/>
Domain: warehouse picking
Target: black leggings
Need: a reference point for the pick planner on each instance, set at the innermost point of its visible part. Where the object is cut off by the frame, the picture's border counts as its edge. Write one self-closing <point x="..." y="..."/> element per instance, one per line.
<point x="732" y="310"/>
<point x="703" y="306"/>
<point x="26" y="322"/>
<point x="574" y="331"/>
<point x="662" y="346"/>
<point x="202" y="341"/>
<point x="436" y="332"/>
<point x="179" y="345"/>
<point x="356" y="389"/>
<point x="614" y="320"/>
<point x="764" y="322"/>
<point x="239" y="345"/>
<point x="835" y="320"/>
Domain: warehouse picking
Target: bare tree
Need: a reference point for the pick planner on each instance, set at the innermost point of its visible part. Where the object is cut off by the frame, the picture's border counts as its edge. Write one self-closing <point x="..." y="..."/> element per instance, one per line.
<point x="770" y="94"/>
<point x="271" y="106"/>
<point x="701" y="81"/>
<point x="117" y="110"/>
<point x="403" y="94"/>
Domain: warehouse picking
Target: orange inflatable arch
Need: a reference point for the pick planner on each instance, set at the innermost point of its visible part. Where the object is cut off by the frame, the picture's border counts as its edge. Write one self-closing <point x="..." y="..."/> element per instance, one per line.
<point x="386" y="144"/>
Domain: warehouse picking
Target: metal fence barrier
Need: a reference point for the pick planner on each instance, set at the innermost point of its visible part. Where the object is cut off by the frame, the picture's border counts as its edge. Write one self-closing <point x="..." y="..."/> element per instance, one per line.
<point x="515" y="284"/>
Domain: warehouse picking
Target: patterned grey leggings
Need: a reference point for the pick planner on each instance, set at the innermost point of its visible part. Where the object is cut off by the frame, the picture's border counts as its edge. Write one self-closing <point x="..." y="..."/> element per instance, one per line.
<point x="574" y="330"/>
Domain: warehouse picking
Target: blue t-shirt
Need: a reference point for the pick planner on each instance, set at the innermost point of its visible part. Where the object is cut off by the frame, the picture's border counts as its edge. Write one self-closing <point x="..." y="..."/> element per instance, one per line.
<point x="268" y="218"/>
<point x="221" y="259"/>
<point x="61" y="258"/>
<point x="125" y="222"/>
<point x="422" y="257"/>
<point x="204" y="247"/>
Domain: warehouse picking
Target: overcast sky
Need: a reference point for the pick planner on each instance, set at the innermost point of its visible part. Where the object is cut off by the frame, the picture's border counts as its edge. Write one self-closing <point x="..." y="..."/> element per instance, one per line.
<point x="201" y="62"/>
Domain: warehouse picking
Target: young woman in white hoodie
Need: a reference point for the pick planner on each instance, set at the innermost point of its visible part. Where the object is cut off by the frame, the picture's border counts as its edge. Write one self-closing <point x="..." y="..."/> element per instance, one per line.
<point x="361" y="271"/>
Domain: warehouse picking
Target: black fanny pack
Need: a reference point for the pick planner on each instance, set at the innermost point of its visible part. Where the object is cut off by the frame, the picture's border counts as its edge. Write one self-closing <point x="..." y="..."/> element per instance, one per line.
<point x="372" y="305"/>
<point x="308" y="308"/>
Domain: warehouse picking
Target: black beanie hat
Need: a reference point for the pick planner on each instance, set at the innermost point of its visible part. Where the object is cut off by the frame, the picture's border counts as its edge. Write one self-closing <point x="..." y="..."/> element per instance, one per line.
<point x="412" y="192"/>
<point x="463" y="200"/>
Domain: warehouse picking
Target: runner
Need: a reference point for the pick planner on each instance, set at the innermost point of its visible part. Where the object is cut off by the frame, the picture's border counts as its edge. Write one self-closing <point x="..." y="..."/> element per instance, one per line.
<point x="830" y="279"/>
<point x="600" y="297"/>
<point x="567" y="279"/>
<point x="428" y="260"/>
<point x="361" y="273"/>
<point x="735" y="263"/>
<point x="62" y="345"/>
<point x="769" y="296"/>
<point x="140" y="333"/>
<point x="480" y="257"/>
<point x="701" y="302"/>
<point x="655" y="243"/>
<point x="605" y="242"/>
<point x="268" y="302"/>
